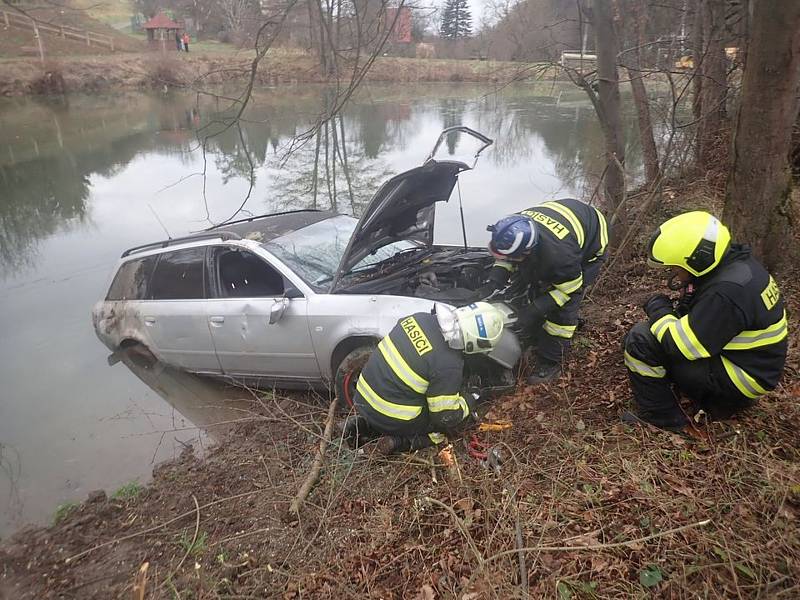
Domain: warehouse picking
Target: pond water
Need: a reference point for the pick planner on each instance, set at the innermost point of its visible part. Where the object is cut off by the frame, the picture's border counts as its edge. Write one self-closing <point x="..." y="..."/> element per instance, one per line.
<point x="82" y="179"/>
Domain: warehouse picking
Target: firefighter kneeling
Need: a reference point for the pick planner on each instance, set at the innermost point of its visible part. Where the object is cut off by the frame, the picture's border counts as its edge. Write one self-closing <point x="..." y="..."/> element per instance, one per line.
<point x="410" y="390"/>
<point x="724" y="345"/>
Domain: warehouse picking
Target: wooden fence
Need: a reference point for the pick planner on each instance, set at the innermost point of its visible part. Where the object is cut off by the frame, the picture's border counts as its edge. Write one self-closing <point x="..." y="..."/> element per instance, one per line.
<point x="13" y="19"/>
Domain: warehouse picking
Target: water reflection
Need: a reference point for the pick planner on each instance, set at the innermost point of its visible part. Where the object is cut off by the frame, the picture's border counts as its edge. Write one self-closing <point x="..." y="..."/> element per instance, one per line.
<point x="83" y="179"/>
<point x="211" y="406"/>
<point x="49" y="151"/>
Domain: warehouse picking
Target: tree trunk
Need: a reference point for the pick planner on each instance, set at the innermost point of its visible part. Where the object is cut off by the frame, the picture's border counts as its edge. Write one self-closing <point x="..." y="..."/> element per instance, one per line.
<point x="608" y="103"/>
<point x="635" y="74"/>
<point x="758" y="205"/>
<point x="697" y="54"/>
<point x="714" y="87"/>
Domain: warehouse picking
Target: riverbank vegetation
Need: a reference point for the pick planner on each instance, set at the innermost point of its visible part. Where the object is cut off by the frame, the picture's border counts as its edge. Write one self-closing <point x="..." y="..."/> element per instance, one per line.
<point x="583" y="506"/>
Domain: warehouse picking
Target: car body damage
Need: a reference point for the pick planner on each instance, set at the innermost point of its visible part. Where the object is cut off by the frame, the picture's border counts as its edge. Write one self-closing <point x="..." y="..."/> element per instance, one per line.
<point x="281" y="299"/>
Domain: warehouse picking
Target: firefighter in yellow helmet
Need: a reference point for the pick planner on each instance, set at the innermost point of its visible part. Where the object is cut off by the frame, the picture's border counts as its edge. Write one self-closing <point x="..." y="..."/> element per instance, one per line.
<point x="410" y="390"/>
<point x="723" y="345"/>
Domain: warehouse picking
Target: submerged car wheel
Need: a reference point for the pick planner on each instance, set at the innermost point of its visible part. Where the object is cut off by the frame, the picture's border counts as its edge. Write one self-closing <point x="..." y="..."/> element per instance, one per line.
<point x="348" y="372"/>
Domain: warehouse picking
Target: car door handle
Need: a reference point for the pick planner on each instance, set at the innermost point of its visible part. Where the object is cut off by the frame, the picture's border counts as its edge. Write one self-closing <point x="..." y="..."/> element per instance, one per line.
<point x="149" y="321"/>
<point x="216" y="321"/>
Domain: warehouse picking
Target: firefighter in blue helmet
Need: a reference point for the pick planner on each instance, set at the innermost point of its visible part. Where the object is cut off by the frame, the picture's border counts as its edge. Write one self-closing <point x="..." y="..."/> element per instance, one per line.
<point x="410" y="393"/>
<point x="723" y="345"/>
<point x="555" y="250"/>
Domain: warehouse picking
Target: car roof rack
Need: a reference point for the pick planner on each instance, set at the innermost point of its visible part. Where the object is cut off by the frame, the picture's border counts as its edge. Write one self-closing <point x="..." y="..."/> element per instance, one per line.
<point x="223" y="235"/>
<point x="264" y="216"/>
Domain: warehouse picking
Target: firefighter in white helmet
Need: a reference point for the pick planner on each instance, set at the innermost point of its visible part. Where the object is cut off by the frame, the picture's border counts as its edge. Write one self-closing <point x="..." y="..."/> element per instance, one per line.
<point x="410" y="391"/>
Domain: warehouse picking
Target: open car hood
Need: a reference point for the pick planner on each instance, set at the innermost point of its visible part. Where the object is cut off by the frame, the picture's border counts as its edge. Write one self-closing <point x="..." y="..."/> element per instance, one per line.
<point x="404" y="207"/>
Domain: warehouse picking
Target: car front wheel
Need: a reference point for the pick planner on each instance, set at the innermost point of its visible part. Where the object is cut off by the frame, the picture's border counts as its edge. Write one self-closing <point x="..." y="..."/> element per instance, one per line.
<point x="348" y="372"/>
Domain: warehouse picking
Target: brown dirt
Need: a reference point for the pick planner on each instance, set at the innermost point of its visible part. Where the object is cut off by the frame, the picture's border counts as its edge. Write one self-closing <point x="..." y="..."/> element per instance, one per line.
<point x="574" y="477"/>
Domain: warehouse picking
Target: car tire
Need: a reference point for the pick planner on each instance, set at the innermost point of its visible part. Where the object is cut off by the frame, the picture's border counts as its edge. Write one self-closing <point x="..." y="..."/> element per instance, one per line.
<point x="347" y="374"/>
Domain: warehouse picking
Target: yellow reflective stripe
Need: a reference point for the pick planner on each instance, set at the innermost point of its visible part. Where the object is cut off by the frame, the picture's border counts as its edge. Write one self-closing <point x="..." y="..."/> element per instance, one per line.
<point x="446" y="402"/>
<point x="743" y="382"/>
<point x="400" y="367"/>
<point x="560" y="297"/>
<point x="437" y="438"/>
<point x="686" y="340"/>
<point x="577" y="228"/>
<point x="390" y="409"/>
<point x="564" y="331"/>
<point x="568" y="287"/>
<point x="642" y="368"/>
<point x="660" y="327"/>
<point x="756" y="338"/>
<point x="603" y="233"/>
<point x="504" y="264"/>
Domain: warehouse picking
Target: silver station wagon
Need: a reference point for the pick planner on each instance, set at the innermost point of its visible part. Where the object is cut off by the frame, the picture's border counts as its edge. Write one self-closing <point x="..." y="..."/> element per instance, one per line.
<point x="300" y="298"/>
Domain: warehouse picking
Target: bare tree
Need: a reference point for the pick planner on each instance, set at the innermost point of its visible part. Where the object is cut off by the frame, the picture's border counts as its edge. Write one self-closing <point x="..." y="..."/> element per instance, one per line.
<point x="711" y="69"/>
<point x="758" y="203"/>
<point x="633" y="59"/>
<point x="608" y="101"/>
<point x="236" y="14"/>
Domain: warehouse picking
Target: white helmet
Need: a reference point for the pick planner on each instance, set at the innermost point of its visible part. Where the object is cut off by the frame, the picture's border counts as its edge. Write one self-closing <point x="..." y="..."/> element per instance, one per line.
<point x="475" y="328"/>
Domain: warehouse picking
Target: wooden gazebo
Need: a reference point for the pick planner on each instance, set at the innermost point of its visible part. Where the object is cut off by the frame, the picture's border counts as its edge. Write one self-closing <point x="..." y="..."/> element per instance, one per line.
<point x="161" y="29"/>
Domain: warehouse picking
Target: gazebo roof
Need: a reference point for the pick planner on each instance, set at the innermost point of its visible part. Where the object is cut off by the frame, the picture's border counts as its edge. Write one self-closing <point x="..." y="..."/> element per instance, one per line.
<point x="161" y="21"/>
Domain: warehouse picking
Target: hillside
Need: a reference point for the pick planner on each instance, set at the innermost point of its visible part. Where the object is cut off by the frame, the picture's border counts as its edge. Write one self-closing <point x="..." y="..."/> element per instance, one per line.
<point x="17" y="42"/>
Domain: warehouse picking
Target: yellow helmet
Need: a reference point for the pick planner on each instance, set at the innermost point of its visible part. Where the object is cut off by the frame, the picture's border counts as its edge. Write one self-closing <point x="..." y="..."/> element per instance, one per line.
<point x="695" y="241"/>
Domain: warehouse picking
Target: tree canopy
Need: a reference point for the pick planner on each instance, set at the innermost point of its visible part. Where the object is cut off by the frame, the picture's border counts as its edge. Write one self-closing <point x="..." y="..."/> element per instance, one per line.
<point x="456" y="20"/>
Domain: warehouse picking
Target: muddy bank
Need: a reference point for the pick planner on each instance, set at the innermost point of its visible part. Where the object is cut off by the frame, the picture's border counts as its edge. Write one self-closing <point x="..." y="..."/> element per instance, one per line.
<point x="659" y="514"/>
<point x="196" y="71"/>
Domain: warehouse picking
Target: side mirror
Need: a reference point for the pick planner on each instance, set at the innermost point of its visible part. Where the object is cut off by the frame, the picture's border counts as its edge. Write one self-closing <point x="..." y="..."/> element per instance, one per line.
<point x="277" y="310"/>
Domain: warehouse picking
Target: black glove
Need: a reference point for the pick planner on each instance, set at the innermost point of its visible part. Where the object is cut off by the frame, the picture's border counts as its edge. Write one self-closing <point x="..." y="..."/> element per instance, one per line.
<point x="658" y="306"/>
<point x="685" y="301"/>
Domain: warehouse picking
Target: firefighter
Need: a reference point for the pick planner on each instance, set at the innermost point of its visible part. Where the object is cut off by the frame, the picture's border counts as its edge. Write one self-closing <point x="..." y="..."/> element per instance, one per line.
<point x="556" y="249"/>
<point x="410" y="390"/>
<point x="724" y="344"/>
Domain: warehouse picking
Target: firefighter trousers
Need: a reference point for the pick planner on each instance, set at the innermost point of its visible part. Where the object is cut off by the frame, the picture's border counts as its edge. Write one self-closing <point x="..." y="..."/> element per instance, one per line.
<point x="555" y="337"/>
<point x="409" y="435"/>
<point x="653" y="375"/>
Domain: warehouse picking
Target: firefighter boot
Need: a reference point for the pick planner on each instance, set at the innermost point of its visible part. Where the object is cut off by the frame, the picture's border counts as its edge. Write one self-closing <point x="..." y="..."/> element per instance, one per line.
<point x="545" y="371"/>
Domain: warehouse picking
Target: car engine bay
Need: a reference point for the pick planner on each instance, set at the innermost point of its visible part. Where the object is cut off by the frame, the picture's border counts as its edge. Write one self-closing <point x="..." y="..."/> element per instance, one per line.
<point x="442" y="273"/>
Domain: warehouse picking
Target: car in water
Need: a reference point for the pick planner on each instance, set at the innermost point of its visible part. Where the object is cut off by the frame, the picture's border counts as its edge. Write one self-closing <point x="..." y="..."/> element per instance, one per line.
<point x="299" y="299"/>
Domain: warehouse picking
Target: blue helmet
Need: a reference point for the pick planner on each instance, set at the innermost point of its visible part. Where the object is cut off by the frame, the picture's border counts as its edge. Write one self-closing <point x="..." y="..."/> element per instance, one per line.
<point x="513" y="237"/>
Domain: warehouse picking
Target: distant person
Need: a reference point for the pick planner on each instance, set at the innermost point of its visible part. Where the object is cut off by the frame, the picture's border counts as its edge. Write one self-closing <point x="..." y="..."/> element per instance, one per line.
<point x="178" y="41"/>
<point x="185" y="39"/>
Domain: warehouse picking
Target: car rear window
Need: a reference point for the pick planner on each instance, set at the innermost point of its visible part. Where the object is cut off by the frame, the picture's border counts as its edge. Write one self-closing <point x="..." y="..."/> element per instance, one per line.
<point x="131" y="281"/>
<point x="180" y="275"/>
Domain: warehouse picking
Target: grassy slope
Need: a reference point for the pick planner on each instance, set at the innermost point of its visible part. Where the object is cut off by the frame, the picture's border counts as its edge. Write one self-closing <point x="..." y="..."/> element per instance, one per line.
<point x="596" y="502"/>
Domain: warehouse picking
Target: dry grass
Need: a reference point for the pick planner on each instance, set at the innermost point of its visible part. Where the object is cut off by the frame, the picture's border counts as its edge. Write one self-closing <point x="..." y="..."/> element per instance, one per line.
<point x="603" y="510"/>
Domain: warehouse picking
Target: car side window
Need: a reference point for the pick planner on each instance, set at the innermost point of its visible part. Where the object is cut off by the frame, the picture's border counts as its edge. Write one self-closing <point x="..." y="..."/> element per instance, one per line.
<point x="242" y="274"/>
<point x="179" y="275"/>
<point x="132" y="280"/>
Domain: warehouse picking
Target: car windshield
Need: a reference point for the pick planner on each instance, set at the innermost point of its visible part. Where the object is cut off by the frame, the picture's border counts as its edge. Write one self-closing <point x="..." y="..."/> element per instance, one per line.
<point x="314" y="252"/>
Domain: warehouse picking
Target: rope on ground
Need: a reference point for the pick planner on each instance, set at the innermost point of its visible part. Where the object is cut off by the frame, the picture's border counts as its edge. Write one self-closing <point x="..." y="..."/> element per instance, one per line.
<point x="316" y="467"/>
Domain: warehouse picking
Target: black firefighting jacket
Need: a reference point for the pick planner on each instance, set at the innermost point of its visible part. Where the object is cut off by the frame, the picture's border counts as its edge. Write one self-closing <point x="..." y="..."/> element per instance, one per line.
<point x="413" y="378"/>
<point x="572" y="234"/>
<point x="737" y="313"/>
